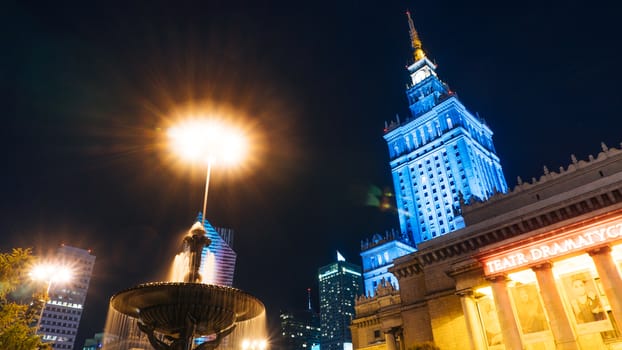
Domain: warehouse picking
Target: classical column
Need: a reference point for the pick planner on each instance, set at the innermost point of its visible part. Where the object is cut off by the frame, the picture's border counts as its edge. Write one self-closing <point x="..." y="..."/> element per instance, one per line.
<point x="509" y="327"/>
<point x="389" y="338"/>
<point x="474" y="326"/>
<point x="610" y="279"/>
<point x="563" y="333"/>
<point x="399" y="334"/>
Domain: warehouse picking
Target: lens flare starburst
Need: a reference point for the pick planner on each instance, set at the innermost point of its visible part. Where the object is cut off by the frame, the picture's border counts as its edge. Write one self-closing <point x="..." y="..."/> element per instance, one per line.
<point x="208" y="141"/>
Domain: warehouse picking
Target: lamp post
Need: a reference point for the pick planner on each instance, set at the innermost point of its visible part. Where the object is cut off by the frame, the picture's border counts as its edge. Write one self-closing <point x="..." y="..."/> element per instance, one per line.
<point x="207" y="141"/>
<point x="254" y="344"/>
<point x="49" y="273"/>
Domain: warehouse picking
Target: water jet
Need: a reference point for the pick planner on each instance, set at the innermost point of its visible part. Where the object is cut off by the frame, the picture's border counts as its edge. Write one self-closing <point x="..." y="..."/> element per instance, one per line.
<point x="174" y="314"/>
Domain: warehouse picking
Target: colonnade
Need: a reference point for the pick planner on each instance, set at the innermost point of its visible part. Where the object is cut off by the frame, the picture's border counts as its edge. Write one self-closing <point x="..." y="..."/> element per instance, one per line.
<point x="561" y="328"/>
<point x="393" y="338"/>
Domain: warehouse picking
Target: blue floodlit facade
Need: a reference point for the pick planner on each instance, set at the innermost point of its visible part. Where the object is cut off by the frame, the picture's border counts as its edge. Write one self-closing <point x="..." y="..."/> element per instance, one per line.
<point x="439" y="156"/>
<point x="219" y="254"/>
<point x="340" y="284"/>
<point x="441" y="153"/>
<point x="378" y="254"/>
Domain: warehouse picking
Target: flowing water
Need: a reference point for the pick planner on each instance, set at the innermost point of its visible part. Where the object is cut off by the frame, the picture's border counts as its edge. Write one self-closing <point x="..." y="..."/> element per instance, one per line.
<point x="122" y="333"/>
<point x="180" y="267"/>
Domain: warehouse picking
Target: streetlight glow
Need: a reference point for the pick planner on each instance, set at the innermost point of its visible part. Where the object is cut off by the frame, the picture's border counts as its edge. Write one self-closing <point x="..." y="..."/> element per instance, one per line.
<point x="254" y="344"/>
<point x="51" y="273"/>
<point x="208" y="141"/>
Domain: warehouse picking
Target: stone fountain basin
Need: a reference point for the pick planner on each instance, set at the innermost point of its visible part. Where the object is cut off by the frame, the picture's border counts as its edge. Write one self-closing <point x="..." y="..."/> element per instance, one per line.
<point x="168" y="306"/>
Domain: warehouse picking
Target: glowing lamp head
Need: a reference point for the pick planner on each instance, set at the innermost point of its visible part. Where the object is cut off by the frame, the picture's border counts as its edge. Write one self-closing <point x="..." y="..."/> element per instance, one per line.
<point x="208" y="141"/>
<point x="262" y="344"/>
<point x="51" y="273"/>
<point x="63" y="275"/>
<point x="254" y="344"/>
<point x="41" y="272"/>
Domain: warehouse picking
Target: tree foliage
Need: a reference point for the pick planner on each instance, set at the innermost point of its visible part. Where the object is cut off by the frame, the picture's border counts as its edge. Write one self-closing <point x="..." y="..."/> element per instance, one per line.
<point x="16" y="331"/>
<point x="13" y="270"/>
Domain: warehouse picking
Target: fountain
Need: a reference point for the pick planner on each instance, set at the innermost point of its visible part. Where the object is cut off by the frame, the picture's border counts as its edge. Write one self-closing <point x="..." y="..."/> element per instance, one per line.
<point x="174" y="314"/>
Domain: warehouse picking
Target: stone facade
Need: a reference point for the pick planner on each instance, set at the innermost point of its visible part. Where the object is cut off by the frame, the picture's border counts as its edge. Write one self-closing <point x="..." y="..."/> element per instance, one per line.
<point x="518" y="274"/>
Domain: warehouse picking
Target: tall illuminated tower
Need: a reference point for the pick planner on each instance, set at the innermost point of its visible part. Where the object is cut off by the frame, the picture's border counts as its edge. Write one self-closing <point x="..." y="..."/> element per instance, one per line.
<point x="62" y="313"/>
<point x="441" y="153"/>
<point x="340" y="285"/>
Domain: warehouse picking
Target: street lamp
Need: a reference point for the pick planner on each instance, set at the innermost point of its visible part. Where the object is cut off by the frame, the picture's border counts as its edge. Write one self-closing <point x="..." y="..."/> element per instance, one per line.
<point x="49" y="273"/>
<point x="254" y="344"/>
<point x="208" y="141"/>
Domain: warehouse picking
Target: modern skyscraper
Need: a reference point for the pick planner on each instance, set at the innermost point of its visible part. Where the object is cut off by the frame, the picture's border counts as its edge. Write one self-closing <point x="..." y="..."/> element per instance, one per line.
<point x="378" y="254"/>
<point x="95" y="343"/>
<point x="300" y="330"/>
<point x="340" y="285"/>
<point x="61" y="315"/>
<point x="439" y="156"/>
<point x="218" y="259"/>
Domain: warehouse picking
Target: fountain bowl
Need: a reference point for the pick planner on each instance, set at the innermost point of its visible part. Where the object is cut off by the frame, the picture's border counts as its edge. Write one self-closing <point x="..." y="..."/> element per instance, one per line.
<point x="166" y="307"/>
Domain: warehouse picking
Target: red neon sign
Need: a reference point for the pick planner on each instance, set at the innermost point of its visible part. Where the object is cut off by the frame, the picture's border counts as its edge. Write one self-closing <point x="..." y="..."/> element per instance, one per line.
<point x="546" y="249"/>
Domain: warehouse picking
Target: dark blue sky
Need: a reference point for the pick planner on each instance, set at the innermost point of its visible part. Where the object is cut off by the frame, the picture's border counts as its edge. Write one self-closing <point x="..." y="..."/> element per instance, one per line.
<point x="86" y="90"/>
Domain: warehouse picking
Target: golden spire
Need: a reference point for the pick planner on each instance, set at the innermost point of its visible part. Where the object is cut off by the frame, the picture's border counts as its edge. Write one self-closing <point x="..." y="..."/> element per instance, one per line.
<point x="414" y="39"/>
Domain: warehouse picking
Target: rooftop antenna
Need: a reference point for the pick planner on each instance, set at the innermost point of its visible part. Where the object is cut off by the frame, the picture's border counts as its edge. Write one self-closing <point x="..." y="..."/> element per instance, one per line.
<point x="415" y="42"/>
<point x="309" y="298"/>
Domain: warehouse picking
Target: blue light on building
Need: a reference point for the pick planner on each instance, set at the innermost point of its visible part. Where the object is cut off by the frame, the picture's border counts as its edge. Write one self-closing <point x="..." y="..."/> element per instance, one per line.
<point x="218" y="259"/>
<point x="441" y="155"/>
<point x="378" y="254"/>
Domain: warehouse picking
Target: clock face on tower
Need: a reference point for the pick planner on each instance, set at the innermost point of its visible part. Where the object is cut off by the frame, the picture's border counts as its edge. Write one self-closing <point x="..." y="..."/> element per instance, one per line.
<point x="420" y="75"/>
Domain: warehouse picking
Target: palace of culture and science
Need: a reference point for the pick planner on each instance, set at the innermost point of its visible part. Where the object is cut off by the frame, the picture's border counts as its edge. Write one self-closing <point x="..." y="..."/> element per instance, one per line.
<point x="440" y="156"/>
<point x="477" y="265"/>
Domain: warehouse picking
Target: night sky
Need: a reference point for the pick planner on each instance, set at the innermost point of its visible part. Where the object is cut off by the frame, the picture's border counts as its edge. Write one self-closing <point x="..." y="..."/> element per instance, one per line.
<point x="87" y="92"/>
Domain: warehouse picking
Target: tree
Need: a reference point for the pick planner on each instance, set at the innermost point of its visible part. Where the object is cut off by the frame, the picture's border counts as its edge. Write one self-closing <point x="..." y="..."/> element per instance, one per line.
<point x="16" y="330"/>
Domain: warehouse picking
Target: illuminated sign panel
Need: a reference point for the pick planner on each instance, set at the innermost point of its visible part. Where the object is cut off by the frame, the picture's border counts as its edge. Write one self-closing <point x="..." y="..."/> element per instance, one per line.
<point x="559" y="245"/>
